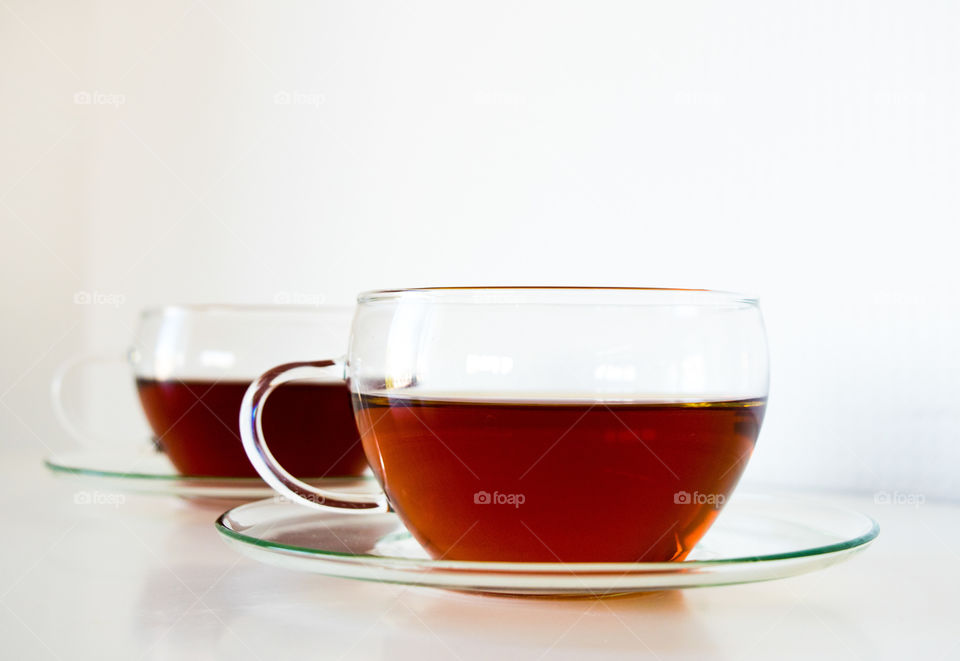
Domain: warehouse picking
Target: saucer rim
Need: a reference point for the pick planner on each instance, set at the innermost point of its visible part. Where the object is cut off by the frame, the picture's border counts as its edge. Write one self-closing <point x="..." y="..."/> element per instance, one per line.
<point x="859" y="542"/>
<point x="54" y="466"/>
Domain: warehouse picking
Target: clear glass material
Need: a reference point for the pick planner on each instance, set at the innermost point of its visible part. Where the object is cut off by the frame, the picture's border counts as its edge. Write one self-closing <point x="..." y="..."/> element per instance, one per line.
<point x="150" y="472"/>
<point x="233" y="342"/>
<point x="759" y="538"/>
<point x="192" y="364"/>
<point x="491" y="416"/>
<point x="568" y="343"/>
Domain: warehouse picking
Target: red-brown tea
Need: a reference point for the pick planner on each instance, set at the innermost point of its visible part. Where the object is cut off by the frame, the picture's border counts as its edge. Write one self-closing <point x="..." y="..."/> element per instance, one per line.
<point x="309" y="427"/>
<point x="552" y="481"/>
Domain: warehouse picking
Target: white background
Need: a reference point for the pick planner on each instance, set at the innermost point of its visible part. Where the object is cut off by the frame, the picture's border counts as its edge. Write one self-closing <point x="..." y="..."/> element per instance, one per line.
<point x="805" y="152"/>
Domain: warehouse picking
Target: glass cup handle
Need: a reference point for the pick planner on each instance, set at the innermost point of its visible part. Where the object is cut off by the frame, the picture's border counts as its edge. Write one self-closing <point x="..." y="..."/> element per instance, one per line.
<point x="251" y="431"/>
<point x="56" y="396"/>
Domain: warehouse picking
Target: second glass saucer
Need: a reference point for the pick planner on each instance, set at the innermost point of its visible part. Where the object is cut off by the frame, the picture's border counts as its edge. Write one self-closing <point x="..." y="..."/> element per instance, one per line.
<point x="151" y="472"/>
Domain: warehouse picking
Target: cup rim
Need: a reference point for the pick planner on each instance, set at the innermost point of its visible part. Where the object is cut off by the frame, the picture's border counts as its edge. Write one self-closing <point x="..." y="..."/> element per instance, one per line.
<point x="695" y="296"/>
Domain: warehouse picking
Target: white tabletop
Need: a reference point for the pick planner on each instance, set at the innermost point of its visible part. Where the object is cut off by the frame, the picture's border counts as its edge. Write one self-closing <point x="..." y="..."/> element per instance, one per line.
<point x="150" y="578"/>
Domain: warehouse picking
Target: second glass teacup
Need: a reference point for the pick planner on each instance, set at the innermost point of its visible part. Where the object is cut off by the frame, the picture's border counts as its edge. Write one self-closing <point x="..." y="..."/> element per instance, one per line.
<point x="193" y="364"/>
<point x="544" y="424"/>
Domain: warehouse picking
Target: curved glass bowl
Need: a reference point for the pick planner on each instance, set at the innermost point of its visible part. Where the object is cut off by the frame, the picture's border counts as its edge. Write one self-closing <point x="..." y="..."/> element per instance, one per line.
<point x="756" y="538"/>
<point x="151" y="472"/>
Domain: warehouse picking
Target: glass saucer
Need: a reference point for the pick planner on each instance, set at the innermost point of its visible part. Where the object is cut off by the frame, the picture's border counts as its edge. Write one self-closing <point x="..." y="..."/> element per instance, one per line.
<point x="755" y="538"/>
<point x="150" y="471"/>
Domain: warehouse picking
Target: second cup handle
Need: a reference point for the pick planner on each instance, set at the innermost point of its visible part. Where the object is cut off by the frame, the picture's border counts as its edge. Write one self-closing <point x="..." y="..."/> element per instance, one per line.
<point x="251" y="431"/>
<point x="79" y="434"/>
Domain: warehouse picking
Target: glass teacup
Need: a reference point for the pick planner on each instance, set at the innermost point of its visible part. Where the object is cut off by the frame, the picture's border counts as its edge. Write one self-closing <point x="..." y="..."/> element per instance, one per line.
<point x="543" y="424"/>
<point x="193" y="363"/>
